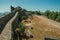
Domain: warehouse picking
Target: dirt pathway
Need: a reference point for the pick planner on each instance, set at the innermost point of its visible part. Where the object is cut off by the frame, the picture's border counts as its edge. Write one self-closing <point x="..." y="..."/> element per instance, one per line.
<point x="44" y="27"/>
<point x="6" y="33"/>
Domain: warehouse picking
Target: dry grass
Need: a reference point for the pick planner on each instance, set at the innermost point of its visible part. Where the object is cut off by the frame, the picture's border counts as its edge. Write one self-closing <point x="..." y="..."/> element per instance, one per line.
<point x="44" y="27"/>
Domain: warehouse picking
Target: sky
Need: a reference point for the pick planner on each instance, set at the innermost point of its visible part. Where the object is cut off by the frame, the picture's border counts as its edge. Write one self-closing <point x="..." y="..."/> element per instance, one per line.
<point x="42" y="5"/>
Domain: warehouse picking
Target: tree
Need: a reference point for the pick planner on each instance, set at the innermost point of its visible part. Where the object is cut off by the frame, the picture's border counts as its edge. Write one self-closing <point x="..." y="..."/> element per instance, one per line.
<point x="50" y="15"/>
<point x="36" y="12"/>
<point x="54" y="15"/>
<point x="58" y="17"/>
<point x="47" y="13"/>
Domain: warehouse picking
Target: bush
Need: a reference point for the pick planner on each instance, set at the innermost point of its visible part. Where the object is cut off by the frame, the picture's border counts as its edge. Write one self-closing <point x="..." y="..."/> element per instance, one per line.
<point x="53" y="15"/>
<point x="47" y="13"/>
<point x="20" y="29"/>
<point x="50" y="15"/>
<point x="58" y="19"/>
<point x="24" y="17"/>
<point x="36" y="12"/>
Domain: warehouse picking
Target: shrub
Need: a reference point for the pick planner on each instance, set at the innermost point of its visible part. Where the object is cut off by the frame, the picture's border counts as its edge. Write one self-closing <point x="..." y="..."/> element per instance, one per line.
<point x="58" y="17"/>
<point x="54" y="16"/>
<point x="20" y="28"/>
<point x="46" y="13"/>
<point x="50" y="15"/>
<point x="24" y="17"/>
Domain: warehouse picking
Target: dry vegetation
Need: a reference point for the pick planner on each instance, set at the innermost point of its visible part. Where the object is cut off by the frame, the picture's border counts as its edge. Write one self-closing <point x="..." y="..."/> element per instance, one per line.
<point x="44" y="27"/>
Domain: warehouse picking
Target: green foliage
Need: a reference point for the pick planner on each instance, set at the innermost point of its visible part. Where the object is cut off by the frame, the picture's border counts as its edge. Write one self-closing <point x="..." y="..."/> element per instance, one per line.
<point x="24" y="17"/>
<point x="20" y="28"/>
<point x="58" y="17"/>
<point x="20" y="25"/>
<point x="52" y="15"/>
<point x="47" y="13"/>
<point x="36" y="12"/>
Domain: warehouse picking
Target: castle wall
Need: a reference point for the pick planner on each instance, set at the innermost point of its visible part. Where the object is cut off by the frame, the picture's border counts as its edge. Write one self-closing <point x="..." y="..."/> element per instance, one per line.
<point x="4" y="20"/>
<point x="7" y="31"/>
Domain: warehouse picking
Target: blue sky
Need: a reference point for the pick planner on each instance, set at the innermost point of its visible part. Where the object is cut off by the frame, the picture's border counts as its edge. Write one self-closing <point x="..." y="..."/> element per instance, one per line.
<point x="42" y="5"/>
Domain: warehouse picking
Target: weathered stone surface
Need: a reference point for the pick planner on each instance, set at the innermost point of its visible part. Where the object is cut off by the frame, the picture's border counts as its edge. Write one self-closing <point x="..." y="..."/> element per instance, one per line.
<point x="6" y="33"/>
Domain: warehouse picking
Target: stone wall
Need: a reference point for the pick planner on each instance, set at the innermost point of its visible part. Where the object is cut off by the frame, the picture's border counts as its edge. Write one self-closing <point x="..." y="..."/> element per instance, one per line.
<point x="7" y="31"/>
<point x="4" y="20"/>
<point x="14" y="26"/>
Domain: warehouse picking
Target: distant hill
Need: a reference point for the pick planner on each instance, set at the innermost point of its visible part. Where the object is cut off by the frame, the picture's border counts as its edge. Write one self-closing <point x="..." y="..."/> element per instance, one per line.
<point x="5" y="13"/>
<point x="1" y="14"/>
